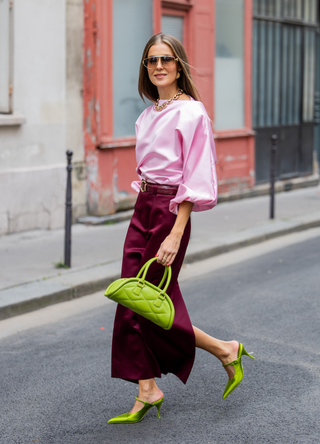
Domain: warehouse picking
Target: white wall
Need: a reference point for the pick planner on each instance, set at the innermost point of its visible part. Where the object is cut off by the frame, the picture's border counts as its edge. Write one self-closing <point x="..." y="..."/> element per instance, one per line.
<point x="74" y="104"/>
<point x="32" y="155"/>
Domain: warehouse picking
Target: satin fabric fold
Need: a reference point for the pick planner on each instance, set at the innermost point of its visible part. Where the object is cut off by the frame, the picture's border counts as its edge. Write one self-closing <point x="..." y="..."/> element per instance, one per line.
<point x="176" y="147"/>
<point x="141" y="349"/>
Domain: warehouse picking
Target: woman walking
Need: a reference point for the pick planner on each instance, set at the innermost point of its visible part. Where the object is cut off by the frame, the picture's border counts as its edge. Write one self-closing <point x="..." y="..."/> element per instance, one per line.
<point x="176" y="163"/>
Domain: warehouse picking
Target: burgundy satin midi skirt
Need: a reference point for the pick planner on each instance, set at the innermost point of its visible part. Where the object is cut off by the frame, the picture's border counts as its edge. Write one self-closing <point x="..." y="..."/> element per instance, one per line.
<point x="141" y="349"/>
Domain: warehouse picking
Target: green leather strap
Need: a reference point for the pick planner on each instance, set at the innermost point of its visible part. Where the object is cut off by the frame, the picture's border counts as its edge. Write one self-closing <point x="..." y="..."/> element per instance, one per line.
<point x="169" y="272"/>
<point x="145" y="298"/>
<point x="144" y="402"/>
<point x="166" y="275"/>
<point x="144" y="266"/>
<point x="163" y="277"/>
<point x="232" y="363"/>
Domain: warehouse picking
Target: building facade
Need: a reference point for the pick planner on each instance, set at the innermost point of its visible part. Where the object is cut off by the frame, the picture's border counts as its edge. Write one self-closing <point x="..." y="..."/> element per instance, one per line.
<point x="284" y="85"/>
<point x="254" y="63"/>
<point x="68" y="80"/>
<point x="40" y="112"/>
<point x="218" y="39"/>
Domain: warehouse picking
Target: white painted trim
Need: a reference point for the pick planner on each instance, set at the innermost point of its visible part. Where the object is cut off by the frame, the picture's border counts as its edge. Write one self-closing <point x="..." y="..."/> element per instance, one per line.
<point x="35" y="168"/>
<point x="12" y="119"/>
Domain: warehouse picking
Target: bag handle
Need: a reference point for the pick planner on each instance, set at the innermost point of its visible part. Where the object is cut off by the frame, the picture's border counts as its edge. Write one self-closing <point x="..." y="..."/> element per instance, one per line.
<point x="167" y="274"/>
<point x="164" y="277"/>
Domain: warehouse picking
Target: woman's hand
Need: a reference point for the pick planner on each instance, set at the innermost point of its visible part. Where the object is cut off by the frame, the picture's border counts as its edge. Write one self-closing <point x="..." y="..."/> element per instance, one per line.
<point x="169" y="249"/>
<point x="170" y="246"/>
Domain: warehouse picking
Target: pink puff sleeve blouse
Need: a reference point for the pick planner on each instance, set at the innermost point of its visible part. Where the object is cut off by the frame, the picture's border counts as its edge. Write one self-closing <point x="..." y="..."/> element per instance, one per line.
<point x="176" y="147"/>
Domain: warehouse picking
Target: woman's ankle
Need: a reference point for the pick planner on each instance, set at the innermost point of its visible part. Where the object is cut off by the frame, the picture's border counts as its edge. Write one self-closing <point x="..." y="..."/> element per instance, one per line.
<point x="149" y="391"/>
<point x="148" y="387"/>
<point x="229" y="352"/>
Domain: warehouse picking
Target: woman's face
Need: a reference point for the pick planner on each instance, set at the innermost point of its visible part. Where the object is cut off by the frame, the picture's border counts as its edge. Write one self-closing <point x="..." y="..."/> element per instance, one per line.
<point x="160" y="76"/>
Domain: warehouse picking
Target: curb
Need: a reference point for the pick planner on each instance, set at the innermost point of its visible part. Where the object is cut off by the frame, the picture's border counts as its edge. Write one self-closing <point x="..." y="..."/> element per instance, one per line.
<point x="81" y="282"/>
<point x="73" y="284"/>
<point x="258" y="235"/>
<point x="102" y="220"/>
<point x="258" y="190"/>
<point x="62" y="295"/>
<point x="280" y="186"/>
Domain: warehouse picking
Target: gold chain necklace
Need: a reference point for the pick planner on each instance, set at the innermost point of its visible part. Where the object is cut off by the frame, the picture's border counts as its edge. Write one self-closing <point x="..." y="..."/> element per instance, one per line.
<point x="165" y="104"/>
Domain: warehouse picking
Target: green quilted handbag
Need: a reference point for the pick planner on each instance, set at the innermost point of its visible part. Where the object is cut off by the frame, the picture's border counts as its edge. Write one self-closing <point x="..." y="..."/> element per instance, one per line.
<point x="144" y="298"/>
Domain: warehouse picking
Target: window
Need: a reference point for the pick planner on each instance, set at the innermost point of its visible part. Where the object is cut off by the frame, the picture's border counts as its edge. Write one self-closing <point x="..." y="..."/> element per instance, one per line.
<point x="173" y="25"/>
<point x="309" y="75"/>
<point x="292" y="9"/>
<point x="284" y="53"/>
<point x="176" y="22"/>
<point x="229" y="69"/>
<point x="310" y="11"/>
<point x="132" y="28"/>
<point x="5" y="56"/>
<point x="267" y="7"/>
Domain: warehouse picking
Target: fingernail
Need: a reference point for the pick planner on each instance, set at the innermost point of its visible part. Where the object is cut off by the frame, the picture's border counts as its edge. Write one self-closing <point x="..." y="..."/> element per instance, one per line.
<point x="156" y="255"/>
<point x="168" y="265"/>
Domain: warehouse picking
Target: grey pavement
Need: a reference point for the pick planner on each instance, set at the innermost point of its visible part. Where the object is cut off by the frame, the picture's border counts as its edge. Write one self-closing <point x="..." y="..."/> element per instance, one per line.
<point x="55" y="377"/>
<point x="30" y="280"/>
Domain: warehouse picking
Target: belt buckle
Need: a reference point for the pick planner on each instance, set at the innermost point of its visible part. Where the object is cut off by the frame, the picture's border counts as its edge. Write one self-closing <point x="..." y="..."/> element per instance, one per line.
<point x="143" y="186"/>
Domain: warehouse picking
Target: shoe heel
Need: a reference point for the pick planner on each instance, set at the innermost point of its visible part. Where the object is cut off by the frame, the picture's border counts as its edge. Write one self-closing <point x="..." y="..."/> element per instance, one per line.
<point x="158" y="405"/>
<point x="244" y="352"/>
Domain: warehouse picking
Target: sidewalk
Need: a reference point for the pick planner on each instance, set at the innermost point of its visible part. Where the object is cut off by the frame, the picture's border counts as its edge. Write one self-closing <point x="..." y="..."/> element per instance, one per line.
<point x="29" y="279"/>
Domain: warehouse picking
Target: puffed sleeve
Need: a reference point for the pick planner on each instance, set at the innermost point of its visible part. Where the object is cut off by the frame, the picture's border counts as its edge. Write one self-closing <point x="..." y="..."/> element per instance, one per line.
<point x="135" y="185"/>
<point x="199" y="182"/>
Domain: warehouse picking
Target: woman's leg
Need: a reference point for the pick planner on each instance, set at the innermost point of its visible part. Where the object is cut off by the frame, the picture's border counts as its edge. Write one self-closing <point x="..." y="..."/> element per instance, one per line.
<point x="149" y="392"/>
<point x="225" y="351"/>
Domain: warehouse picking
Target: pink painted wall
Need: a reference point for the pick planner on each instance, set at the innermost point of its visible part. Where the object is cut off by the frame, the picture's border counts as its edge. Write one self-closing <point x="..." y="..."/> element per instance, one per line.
<point x="111" y="162"/>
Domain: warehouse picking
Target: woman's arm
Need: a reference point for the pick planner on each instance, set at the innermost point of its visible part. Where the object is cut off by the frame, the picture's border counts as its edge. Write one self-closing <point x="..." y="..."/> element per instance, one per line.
<point x="170" y="246"/>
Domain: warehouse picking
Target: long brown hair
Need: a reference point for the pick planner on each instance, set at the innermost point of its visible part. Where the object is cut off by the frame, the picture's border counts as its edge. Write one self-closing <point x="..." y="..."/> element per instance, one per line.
<point x="147" y="88"/>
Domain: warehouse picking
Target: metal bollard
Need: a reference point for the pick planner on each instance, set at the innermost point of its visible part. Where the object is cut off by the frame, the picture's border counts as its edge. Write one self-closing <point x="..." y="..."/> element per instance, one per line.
<point x="274" y="138"/>
<point x="67" y="232"/>
<point x="317" y="125"/>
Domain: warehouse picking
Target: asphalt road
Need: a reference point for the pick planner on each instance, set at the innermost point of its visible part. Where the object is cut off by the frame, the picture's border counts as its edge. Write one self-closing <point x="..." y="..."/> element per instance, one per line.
<point x="55" y="378"/>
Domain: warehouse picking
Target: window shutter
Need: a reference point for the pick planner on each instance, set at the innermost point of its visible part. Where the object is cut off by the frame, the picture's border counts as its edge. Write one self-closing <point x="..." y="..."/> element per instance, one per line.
<point x="5" y="56"/>
<point x="173" y="25"/>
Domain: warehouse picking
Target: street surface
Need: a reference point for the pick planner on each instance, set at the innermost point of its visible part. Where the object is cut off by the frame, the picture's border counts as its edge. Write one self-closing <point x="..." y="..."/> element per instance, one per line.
<point x="55" y="362"/>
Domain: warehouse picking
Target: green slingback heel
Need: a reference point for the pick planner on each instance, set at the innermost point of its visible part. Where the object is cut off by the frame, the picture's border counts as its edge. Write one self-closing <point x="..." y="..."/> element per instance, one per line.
<point x="238" y="371"/>
<point x="131" y="418"/>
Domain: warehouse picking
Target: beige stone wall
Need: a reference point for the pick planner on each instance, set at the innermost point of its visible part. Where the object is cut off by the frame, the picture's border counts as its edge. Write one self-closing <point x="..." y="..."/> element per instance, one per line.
<point x="47" y="117"/>
<point x="32" y="198"/>
<point x="74" y="118"/>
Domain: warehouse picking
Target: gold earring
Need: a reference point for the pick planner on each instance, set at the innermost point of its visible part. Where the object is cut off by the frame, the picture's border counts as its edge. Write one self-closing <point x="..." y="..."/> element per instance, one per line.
<point x="178" y="75"/>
